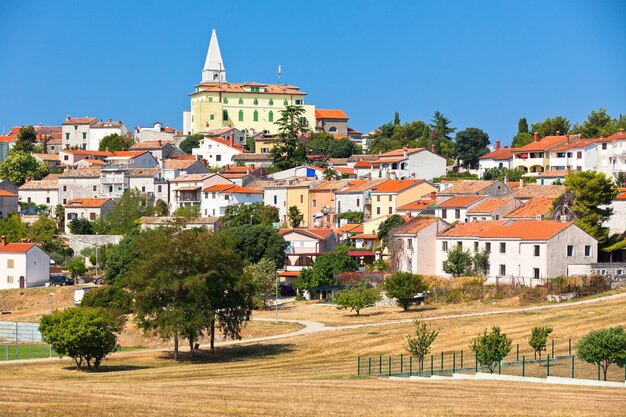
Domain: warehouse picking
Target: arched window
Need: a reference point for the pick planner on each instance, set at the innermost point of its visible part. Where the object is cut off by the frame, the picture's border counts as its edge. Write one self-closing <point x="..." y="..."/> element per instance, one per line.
<point x="256" y="116"/>
<point x="225" y="115"/>
<point x="256" y="101"/>
<point x="241" y="115"/>
<point x="240" y="101"/>
<point x="225" y="100"/>
<point x="271" y="102"/>
<point x="285" y="102"/>
<point x="332" y="129"/>
<point x="270" y="116"/>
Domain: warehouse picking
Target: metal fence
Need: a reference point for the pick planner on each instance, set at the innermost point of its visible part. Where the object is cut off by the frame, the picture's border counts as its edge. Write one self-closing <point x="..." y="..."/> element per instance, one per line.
<point x="22" y="340"/>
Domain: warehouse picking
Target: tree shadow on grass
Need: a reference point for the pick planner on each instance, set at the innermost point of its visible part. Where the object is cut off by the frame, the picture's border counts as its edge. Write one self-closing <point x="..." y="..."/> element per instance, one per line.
<point x="107" y="368"/>
<point x="235" y="353"/>
<point x="419" y="309"/>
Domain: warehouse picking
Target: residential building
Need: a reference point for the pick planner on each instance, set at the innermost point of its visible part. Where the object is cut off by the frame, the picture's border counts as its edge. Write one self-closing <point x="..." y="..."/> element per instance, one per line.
<point x="499" y="158"/>
<point x="99" y="130"/>
<point x="216" y="198"/>
<point x="54" y="146"/>
<point x="51" y="159"/>
<point x="523" y="252"/>
<point x="218" y="152"/>
<point x="70" y="157"/>
<point x="75" y="132"/>
<point x="251" y="106"/>
<point x="227" y="133"/>
<point x="173" y="168"/>
<point x="23" y="265"/>
<point x="155" y="132"/>
<point x="302" y="248"/>
<point x="552" y="177"/>
<point x="389" y="195"/>
<point x="612" y="154"/>
<point x="6" y="143"/>
<point x="186" y="190"/>
<point x="356" y="197"/>
<point x="414" y="245"/>
<point x="298" y="196"/>
<point x="257" y="159"/>
<point x="491" y="188"/>
<point x="131" y="159"/>
<point x="536" y="208"/>
<point x="527" y="191"/>
<point x="158" y="148"/>
<point x="87" y="208"/>
<point x="421" y="207"/>
<point x="574" y="155"/>
<point x="264" y="144"/>
<point x="304" y="171"/>
<point x="534" y="157"/>
<point x="492" y="209"/>
<point x="9" y="203"/>
<point x="44" y="192"/>
<point x="322" y="202"/>
<point x="403" y="164"/>
<point x="79" y="183"/>
<point x="455" y="209"/>
<point x="333" y="121"/>
<point x="617" y="222"/>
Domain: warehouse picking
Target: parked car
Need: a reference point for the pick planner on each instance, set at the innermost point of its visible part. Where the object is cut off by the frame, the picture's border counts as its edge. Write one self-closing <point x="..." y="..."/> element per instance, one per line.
<point x="286" y="290"/>
<point x="98" y="281"/>
<point x="61" y="281"/>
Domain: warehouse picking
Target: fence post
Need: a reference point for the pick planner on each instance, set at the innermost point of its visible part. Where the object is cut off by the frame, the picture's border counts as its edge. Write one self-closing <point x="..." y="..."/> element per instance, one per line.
<point x="499" y="364"/>
<point x="369" y="366"/>
<point x="548" y="366"/>
<point x="389" y="367"/>
<point x="410" y="365"/>
<point x="17" y="352"/>
<point x="461" y="359"/>
<point x="358" y="366"/>
<point x="552" y="348"/>
<point x="523" y="366"/>
<point x="442" y="360"/>
<point x="453" y="362"/>
<point x="432" y="364"/>
<point x="598" y="371"/>
<point x="32" y="338"/>
<point x="569" y="347"/>
<point x="401" y="363"/>
<point x="572" y="367"/>
<point x="380" y="365"/>
<point x="476" y="361"/>
<point x="517" y="353"/>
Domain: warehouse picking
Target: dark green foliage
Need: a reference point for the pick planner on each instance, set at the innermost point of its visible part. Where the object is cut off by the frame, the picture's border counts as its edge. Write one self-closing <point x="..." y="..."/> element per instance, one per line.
<point x="480" y="263"/>
<point x="404" y="286"/>
<point x="603" y="347"/>
<point x="121" y="258"/>
<point x="189" y="212"/>
<point x="539" y="339"/>
<point x="81" y="227"/>
<point x="550" y="126"/>
<point x="76" y="267"/>
<point x="110" y="297"/>
<point x="13" y="228"/>
<point x="395" y="136"/>
<point x="84" y="334"/>
<point x="323" y="143"/>
<point x="20" y="165"/>
<point x="440" y="135"/>
<point x="160" y="208"/>
<point x="243" y="214"/>
<point x="599" y="123"/>
<point x="387" y="226"/>
<point x="295" y="216"/>
<point x="263" y="275"/>
<point x="289" y="152"/>
<point x="356" y="298"/>
<point x="459" y="262"/>
<point x="490" y="348"/>
<point x="522" y="125"/>
<point x="115" y="143"/>
<point x="191" y="142"/>
<point x="471" y="144"/>
<point x="25" y="141"/>
<point x="521" y="139"/>
<point x="125" y="215"/>
<point x="259" y="241"/>
<point x="500" y="173"/>
<point x="351" y="216"/>
<point x="325" y="268"/>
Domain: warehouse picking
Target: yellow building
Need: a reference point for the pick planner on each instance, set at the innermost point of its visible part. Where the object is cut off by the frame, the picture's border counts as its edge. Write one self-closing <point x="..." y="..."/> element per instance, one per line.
<point x="388" y="196"/>
<point x="298" y="195"/>
<point x="250" y="106"/>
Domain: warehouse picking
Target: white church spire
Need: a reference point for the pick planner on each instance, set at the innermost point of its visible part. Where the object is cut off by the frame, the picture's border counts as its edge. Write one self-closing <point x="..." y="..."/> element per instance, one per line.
<point x="214" y="69"/>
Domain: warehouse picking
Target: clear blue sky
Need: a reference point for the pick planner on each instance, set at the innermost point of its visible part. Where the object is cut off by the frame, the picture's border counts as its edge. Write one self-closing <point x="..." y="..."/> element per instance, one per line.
<point x="482" y="63"/>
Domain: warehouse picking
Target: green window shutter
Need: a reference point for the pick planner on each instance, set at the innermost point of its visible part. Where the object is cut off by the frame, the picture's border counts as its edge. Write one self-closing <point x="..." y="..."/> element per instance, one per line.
<point x="225" y="116"/>
<point x="286" y="103"/>
<point x="212" y="117"/>
<point x="256" y="101"/>
<point x="256" y="116"/>
<point x="240" y="101"/>
<point x="210" y="99"/>
<point x="241" y="115"/>
<point x="84" y="135"/>
<point x="67" y="136"/>
<point x="225" y="100"/>
<point x="271" y="102"/>
<point x="270" y="116"/>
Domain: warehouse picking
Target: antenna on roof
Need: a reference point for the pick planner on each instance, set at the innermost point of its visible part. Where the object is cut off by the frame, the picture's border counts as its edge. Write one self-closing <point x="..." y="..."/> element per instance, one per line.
<point x="280" y="70"/>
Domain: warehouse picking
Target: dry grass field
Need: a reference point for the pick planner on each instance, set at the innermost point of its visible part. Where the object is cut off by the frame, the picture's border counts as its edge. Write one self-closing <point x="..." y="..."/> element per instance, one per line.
<point x="312" y="375"/>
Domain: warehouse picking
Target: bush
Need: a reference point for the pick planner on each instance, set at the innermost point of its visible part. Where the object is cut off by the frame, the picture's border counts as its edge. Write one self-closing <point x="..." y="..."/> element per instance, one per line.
<point x="109" y="297"/>
<point x="356" y="298"/>
<point x="403" y="286"/>
<point x="81" y="227"/>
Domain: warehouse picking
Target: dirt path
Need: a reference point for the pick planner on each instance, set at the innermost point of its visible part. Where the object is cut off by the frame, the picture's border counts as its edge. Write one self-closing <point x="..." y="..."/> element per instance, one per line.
<point x="312" y="327"/>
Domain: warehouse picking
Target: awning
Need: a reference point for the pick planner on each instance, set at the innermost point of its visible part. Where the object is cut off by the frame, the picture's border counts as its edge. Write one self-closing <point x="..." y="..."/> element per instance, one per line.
<point x="191" y="188"/>
<point x="289" y="273"/>
<point x="358" y="253"/>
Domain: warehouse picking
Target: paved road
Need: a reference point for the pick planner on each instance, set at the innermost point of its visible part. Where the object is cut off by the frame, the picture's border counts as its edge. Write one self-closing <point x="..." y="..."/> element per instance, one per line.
<point x="311" y="327"/>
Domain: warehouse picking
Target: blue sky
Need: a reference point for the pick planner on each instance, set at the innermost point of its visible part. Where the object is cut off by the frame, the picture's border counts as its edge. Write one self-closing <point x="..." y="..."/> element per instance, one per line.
<point x="482" y="63"/>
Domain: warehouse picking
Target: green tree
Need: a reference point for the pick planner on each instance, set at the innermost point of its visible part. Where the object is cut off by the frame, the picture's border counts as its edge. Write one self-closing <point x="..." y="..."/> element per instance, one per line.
<point x="19" y="165"/>
<point x="522" y="126"/>
<point x="243" y="214"/>
<point x="125" y="215"/>
<point x="330" y="174"/>
<point x="121" y="258"/>
<point x="593" y="193"/>
<point x="490" y="348"/>
<point x="160" y="208"/>
<point x="412" y="134"/>
<point x="340" y="148"/>
<point x="521" y="139"/>
<point x="419" y="345"/>
<point x="480" y="263"/>
<point x="459" y="262"/>
<point x="191" y="142"/>
<point x="396" y="119"/>
<point x="351" y="216"/>
<point x="324" y="269"/>
<point x="440" y="135"/>
<point x="404" y="286"/>
<point x="598" y="123"/>
<point x="77" y="267"/>
<point x="81" y="227"/>
<point x="110" y="297"/>
<point x="550" y="126"/>
<point x="471" y="144"/>
<point x="25" y="141"/>
<point x="356" y="298"/>
<point x="295" y="216"/>
<point x="83" y="334"/>
<point x="500" y="173"/>
<point x="43" y="231"/>
<point x="13" y="228"/>
<point x="603" y="347"/>
<point x="259" y="241"/>
<point x="189" y="212"/>
<point x="288" y="151"/>
<point x="389" y="224"/>
<point x="115" y="143"/>
<point x="263" y="274"/>
<point x="539" y="339"/>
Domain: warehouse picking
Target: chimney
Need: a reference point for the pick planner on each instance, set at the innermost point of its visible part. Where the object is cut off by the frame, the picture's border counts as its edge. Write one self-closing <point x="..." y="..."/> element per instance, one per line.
<point x="230" y="140"/>
<point x="433" y="149"/>
<point x="521" y="183"/>
<point x="3" y="241"/>
<point x="109" y="120"/>
<point x="621" y="131"/>
<point x="252" y="166"/>
<point x="536" y="136"/>
<point x="406" y="151"/>
<point x="497" y="144"/>
<point x="558" y="133"/>
<point x="567" y="139"/>
<point x="506" y="146"/>
<point x="67" y="117"/>
<point x="433" y="195"/>
<point x="159" y="142"/>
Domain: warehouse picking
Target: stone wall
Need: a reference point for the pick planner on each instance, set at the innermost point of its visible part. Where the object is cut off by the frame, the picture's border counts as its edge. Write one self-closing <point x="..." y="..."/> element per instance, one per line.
<point x="80" y="242"/>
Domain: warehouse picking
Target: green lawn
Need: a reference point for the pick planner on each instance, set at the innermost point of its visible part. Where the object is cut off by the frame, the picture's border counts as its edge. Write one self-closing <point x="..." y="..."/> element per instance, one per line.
<point x="36" y="351"/>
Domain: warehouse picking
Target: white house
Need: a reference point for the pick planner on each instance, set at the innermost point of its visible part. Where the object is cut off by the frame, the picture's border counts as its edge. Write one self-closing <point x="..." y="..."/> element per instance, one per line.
<point x="79" y="183"/>
<point x="23" y="265"/>
<point x="44" y="192"/>
<point x="154" y="133"/>
<point x="218" y="152"/>
<point x="277" y="196"/>
<point x="174" y="168"/>
<point x="577" y="155"/>
<point x="70" y="157"/>
<point x="210" y="223"/>
<point x="499" y="158"/>
<point x="99" y="130"/>
<point x="356" y="197"/>
<point x="404" y="164"/>
<point x="524" y="251"/>
<point x="304" y="171"/>
<point x="9" y="203"/>
<point x="160" y="149"/>
<point x="75" y="132"/>
<point x="617" y="222"/>
<point x="186" y="190"/>
<point x="303" y="247"/>
<point x="455" y="209"/>
<point x="414" y="247"/>
<point x="87" y="208"/>
<point x="216" y="198"/>
<point x="132" y="159"/>
<point x="612" y="154"/>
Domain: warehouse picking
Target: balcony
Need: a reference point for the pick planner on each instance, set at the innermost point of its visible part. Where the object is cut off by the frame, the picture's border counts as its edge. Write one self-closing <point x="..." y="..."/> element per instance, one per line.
<point x="112" y="179"/>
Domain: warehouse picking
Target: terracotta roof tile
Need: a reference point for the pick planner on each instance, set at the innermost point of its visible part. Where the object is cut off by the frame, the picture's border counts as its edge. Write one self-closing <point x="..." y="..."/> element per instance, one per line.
<point x="17" y="247"/>
<point x="580" y="143"/>
<point x="152" y="144"/>
<point x="415" y="225"/>
<point x="80" y="121"/>
<point x="489" y="205"/>
<point x="5" y="193"/>
<point x="87" y="202"/>
<point x="178" y="163"/>
<point x="501" y="154"/>
<point x="534" y="190"/>
<point x="396" y="186"/>
<point x="330" y="114"/>
<point x="283" y="89"/>
<point x="508" y="229"/>
<point x="422" y="204"/>
<point x="50" y="182"/>
<point x="545" y="144"/>
<point x="468" y="187"/>
<point x="461" y="201"/>
<point x="538" y="206"/>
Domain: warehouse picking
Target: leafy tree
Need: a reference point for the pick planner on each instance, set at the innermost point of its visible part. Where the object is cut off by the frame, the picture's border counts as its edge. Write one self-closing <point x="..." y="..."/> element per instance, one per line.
<point x="325" y="268"/>
<point x="13" y="228"/>
<point x="598" y="123"/>
<point x="396" y="119"/>
<point x="340" y="148"/>
<point x="419" y="345"/>
<point x="84" y="334"/>
<point x="110" y="297"/>
<point x="115" y="143"/>
<point x="356" y="298"/>
<point x="351" y="216"/>
<point x="404" y="286"/>
<point x="329" y="174"/>
<point x="77" y="267"/>
<point x="389" y="224"/>
<point x="295" y="216"/>
<point x="125" y="215"/>
<point x="459" y="262"/>
<point x="189" y="212"/>
<point x="521" y="139"/>
<point x="471" y="144"/>
<point x="263" y="274"/>
<point x="440" y="135"/>
<point x="550" y="126"/>
<point x="522" y="126"/>
<point x="81" y="227"/>
<point x="412" y="134"/>
<point x="259" y="241"/>
<point x="121" y="258"/>
<point x="603" y="347"/>
<point x="160" y="208"/>
<point x="480" y="263"/>
<point x="104" y="252"/>
<point x="593" y="193"/>
<point x="19" y="165"/>
<point x="288" y="151"/>
<point x="42" y="231"/>
<point x="25" y="141"/>
<point x="191" y="142"/>
<point x="490" y="348"/>
<point x="539" y="339"/>
<point x="500" y="173"/>
<point x="243" y="214"/>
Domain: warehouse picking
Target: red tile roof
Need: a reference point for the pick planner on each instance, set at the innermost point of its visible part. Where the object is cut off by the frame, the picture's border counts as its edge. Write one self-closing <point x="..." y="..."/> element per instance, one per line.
<point x="330" y="114"/>
<point x="239" y="88"/>
<point x="400" y="152"/>
<point x="80" y="121"/>
<point x="580" y="143"/>
<point x="366" y="236"/>
<point x="489" y="205"/>
<point x="501" y="154"/>
<point x="4" y="193"/>
<point x="231" y="189"/>
<point x="396" y="186"/>
<point x="127" y="154"/>
<point x="619" y="135"/>
<point x="537" y="206"/>
<point x="87" y="202"/>
<point x="422" y="204"/>
<point x="545" y="143"/>
<point x="8" y="138"/>
<point x="415" y="225"/>
<point x="17" y="247"/>
<point x="151" y="144"/>
<point x="227" y="143"/>
<point x="621" y="197"/>
<point x="178" y="163"/>
<point x="81" y="152"/>
<point x="507" y="229"/>
<point x="315" y="233"/>
<point x="459" y="201"/>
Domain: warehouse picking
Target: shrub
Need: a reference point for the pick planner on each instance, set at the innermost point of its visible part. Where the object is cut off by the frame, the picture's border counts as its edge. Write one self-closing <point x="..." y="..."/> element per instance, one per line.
<point x="491" y="348"/>
<point x="356" y="298"/>
<point x="403" y="286"/>
<point x="110" y="297"/>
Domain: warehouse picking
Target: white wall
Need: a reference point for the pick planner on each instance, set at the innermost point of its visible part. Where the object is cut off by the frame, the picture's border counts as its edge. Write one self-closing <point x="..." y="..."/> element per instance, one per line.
<point x="617" y="222"/>
<point x="277" y="197"/>
<point x="33" y="265"/>
<point x="48" y="198"/>
<point x="215" y="153"/>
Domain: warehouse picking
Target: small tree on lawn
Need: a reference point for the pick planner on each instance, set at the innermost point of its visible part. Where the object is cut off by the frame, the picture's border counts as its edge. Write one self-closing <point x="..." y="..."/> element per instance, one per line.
<point x="419" y="345"/>
<point x="403" y="286"/>
<point x="539" y="338"/>
<point x="603" y="347"/>
<point x="491" y="347"/>
<point x="83" y="334"/>
<point x="459" y="262"/>
<point x="356" y="298"/>
<point x="263" y="274"/>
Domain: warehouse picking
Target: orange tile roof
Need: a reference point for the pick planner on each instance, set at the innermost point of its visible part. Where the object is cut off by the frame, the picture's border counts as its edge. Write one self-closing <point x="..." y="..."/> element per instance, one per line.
<point x="621" y="197"/>
<point x="81" y="152"/>
<point x="231" y="189"/>
<point x="323" y="233"/>
<point x="534" y="190"/>
<point x="151" y="144"/>
<point x="178" y="163"/>
<point x="351" y="228"/>
<point x="80" y="121"/>
<point x="87" y="202"/>
<point x="8" y="138"/>
<point x="508" y="229"/>
<point x="619" y="135"/>
<point x="315" y="233"/>
<point x="554" y="173"/>
<point x="545" y="143"/>
<point x="214" y="87"/>
<point x="331" y="185"/>
<point x="422" y="204"/>
<point x="400" y="152"/>
<point x="127" y="154"/>
<point x="538" y="206"/>
<point x="94" y="161"/>
<point x="580" y="143"/>
<point x="365" y="164"/>
<point x="218" y="187"/>
<point x="467" y="187"/>
<point x="17" y="247"/>
<point x="501" y="154"/>
<point x="4" y="193"/>
<point x="415" y="225"/>
<point x="461" y="201"/>
<point x="330" y="114"/>
<point x="489" y="205"/>
<point x="396" y="186"/>
<point x="348" y="171"/>
<point x="365" y="236"/>
<point x="227" y="143"/>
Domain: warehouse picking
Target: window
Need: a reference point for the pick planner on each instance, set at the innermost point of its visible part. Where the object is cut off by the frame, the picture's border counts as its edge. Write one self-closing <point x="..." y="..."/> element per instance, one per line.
<point x="275" y="199"/>
<point x="10" y="263"/>
<point x="67" y="136"/>
<point x="225" y="100"/>
<point x="444" y="213"/>
<point x="285" y="102"/>
<point x="84" y="135"/>
<point x="409" y="243"/>
<point x="241" y="115"/>
<point x="457" y="213"/>
<point x="301" y="199"/>
<point x="271" y="103"/>
<point x="92" y="216"/>
<point x="536" y="250"/>
<point x="314" y="203"/>
<point x="225" y="115"/>
<point x="255" y="116"/>
<point x="255" y="89"/>
<point x="444" y="246"/>
<point x="390" y="210"/>
<point x="390" y="198"/>
<point x="143" y="189"/>
<point x="65" y="188"/>
<point x="587" y="251"/>
<point x="332" y="129"/>
<point x="299" y="102"/>
<point x="75" y="127"/>
<point x="604" y="146"/>
<point x="48" y="200"/>
<point x="378" y="198"/>
<point x="64" y="201"/>
<point x="270" y="116"/>
<point x="212" y="117"/>
<point x="9" y="280"/>
<point x="377" y="210"/>
<point x="256" y="101"/>
<point x="210" y="99"/>
<point x="502" y="247"/>
<point x="93" y="188"/>
<point x="579" y="155"/>
<point x="159" y="188"/>
<point x="475" y="246"/>
<point x="358" y="202"/>
<point x="502" y="269"/>
<point x="29" y="199"/>
<point x="338" y="206"/>
<point x="218" y="158"/>
<point x="536" y="273"/>
<point x="240" y="101"/>
<point x="570" y="250"/>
